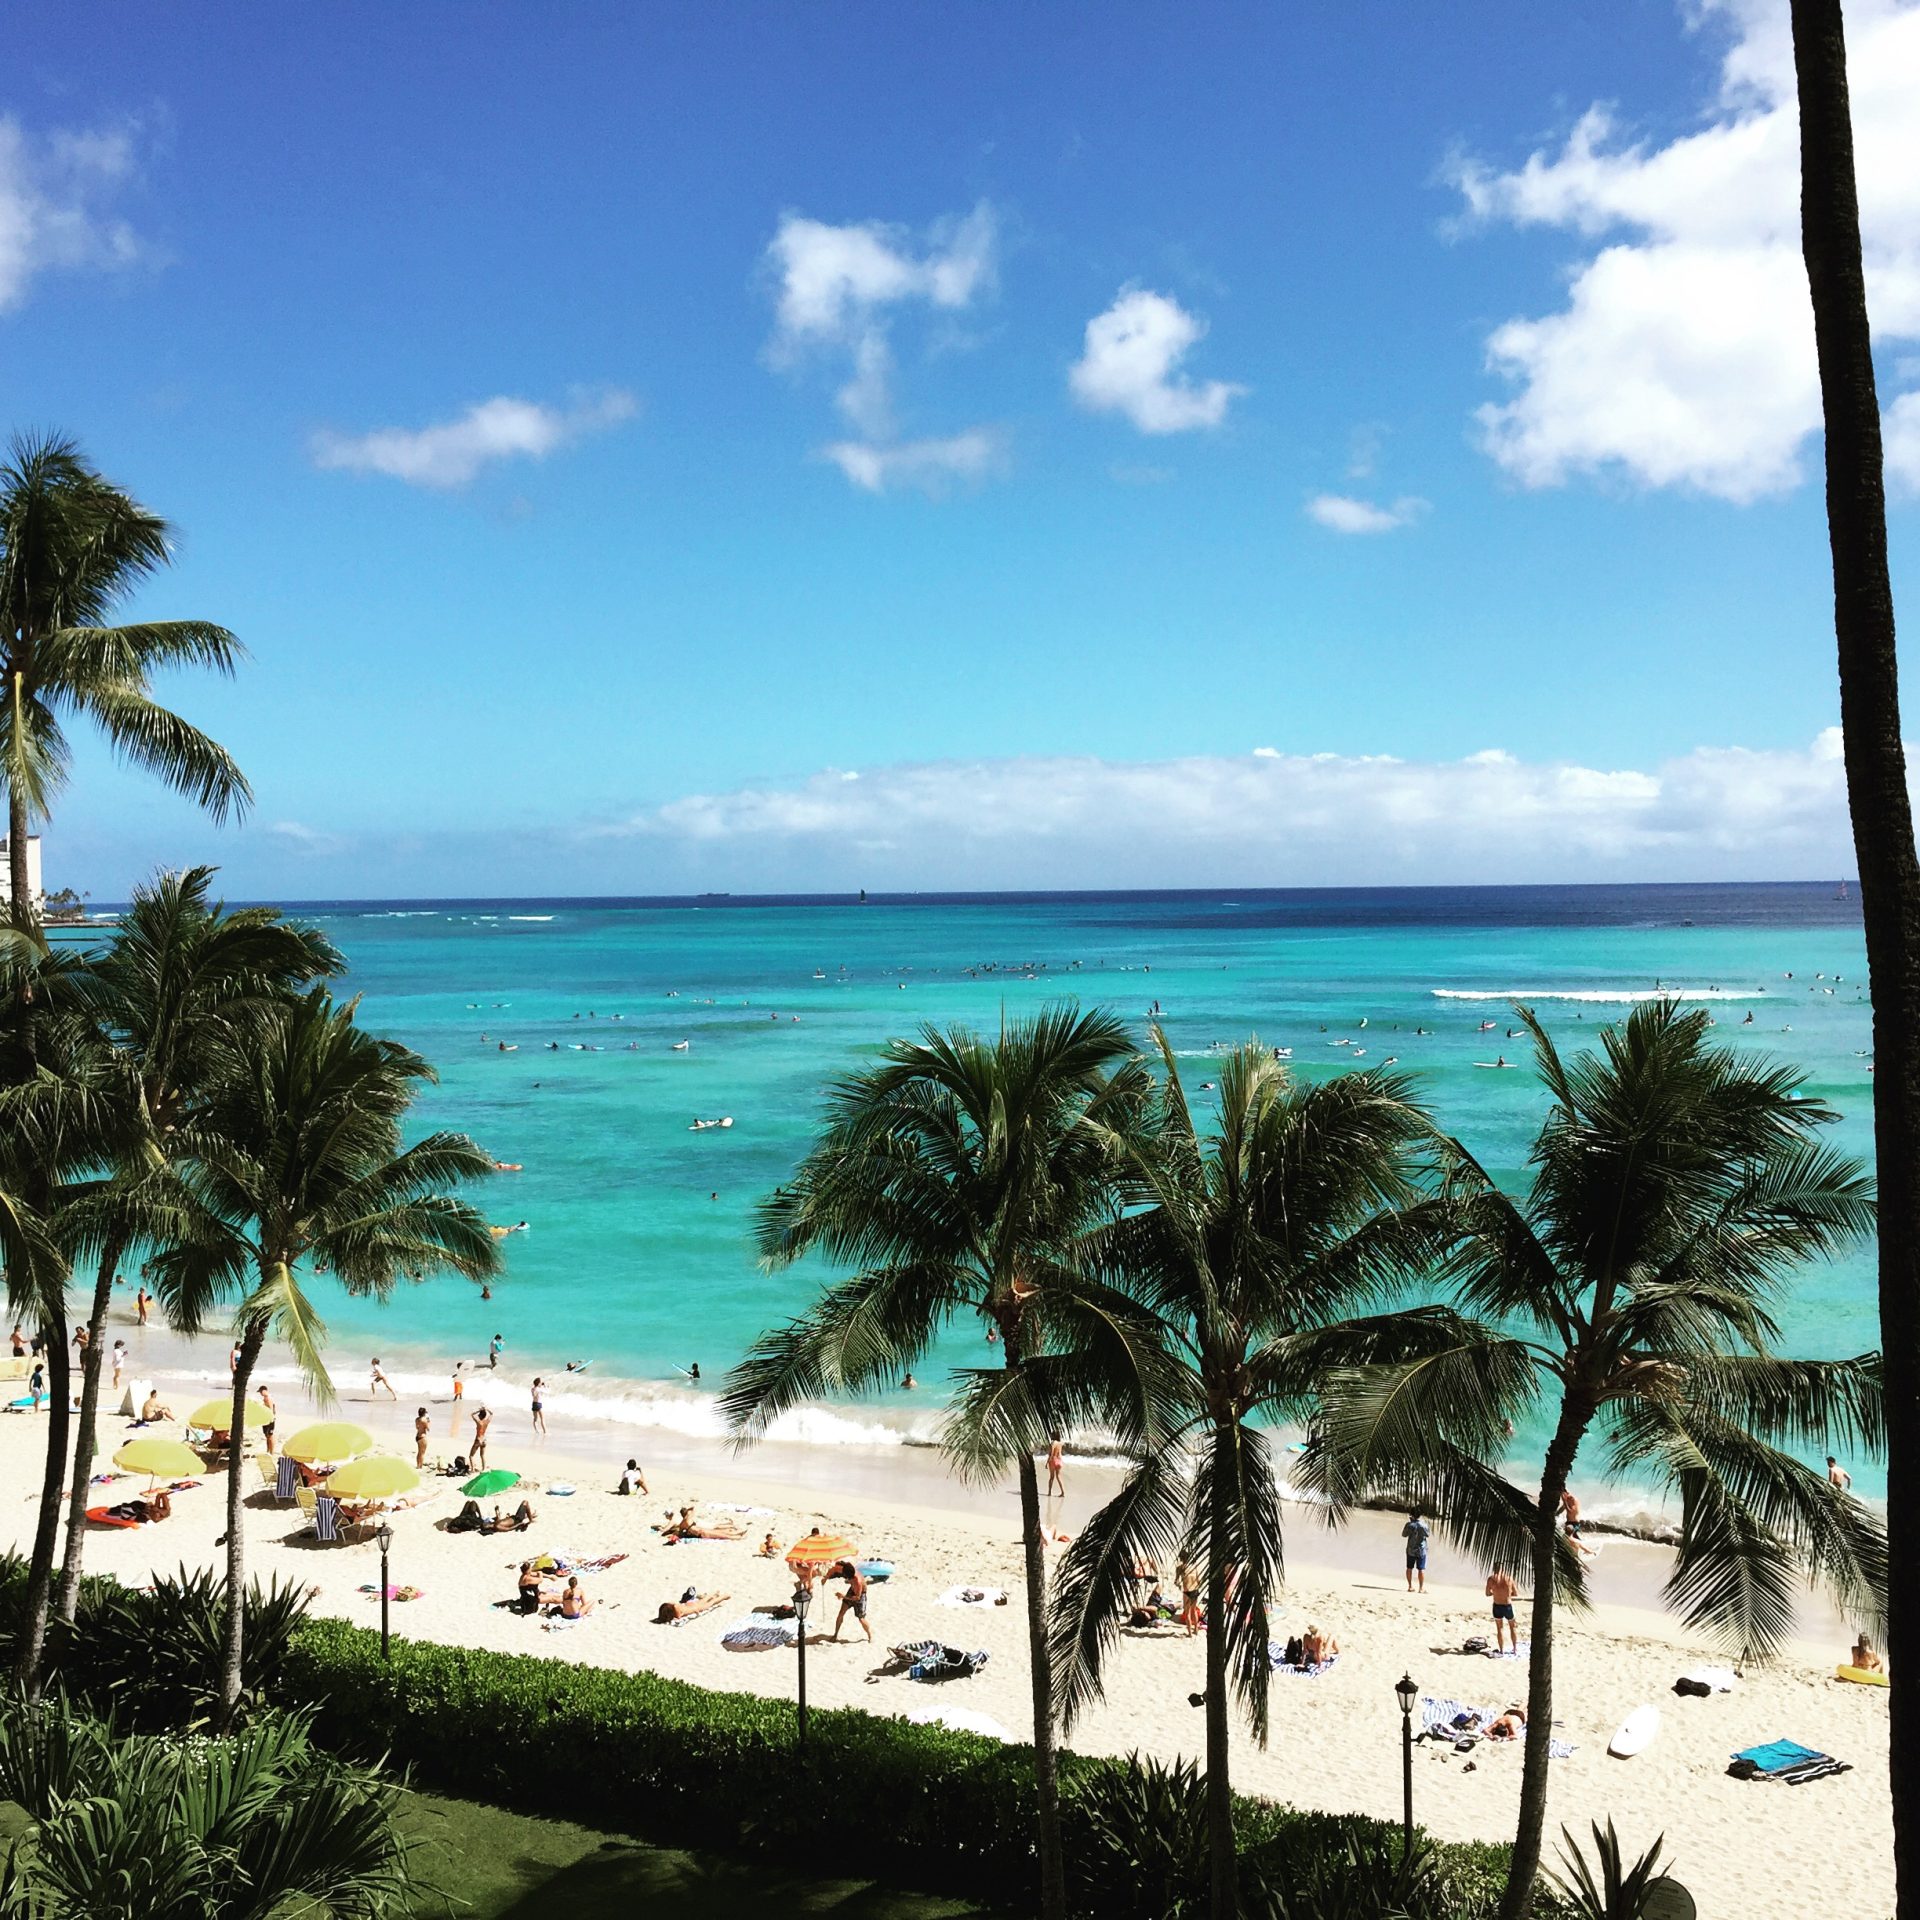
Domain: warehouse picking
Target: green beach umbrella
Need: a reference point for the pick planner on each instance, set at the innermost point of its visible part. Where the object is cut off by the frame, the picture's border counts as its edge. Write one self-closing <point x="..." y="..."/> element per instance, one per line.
<point x="216" y="1416"/>
<point x="331" y="1440"/>
<point x="494" y="1480"/>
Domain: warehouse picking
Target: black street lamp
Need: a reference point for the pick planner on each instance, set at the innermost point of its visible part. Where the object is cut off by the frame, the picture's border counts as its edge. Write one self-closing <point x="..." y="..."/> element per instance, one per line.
<point x="1408" y="1692"/>
<point x="383" y="1534"/>
<point x="802" y="1599"/>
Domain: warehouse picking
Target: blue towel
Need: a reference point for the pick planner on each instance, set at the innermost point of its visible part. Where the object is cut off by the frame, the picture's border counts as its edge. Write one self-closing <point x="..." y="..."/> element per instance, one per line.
<point x="1776" y="1756"/>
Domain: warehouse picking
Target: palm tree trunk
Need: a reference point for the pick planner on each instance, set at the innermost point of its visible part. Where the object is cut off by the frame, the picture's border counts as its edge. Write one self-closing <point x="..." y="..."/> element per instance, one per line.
<point x="84" y="1435"/>
<point x="252" y="1337"/>
<point x="21" y="907"/>
<point x="1223" y="1875"/>
<point x="1046" y="1768"/>
<point x="1877" y="797"/>
<point x="46" y="1533"/>
<point x="1517" y="1901"/>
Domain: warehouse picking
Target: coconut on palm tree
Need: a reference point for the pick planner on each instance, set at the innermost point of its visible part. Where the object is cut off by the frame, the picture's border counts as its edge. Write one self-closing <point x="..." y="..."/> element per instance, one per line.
<point x="183" y="982"/>
<point x="297" y="1162"/>
<point x="1626" y="1297"/>
<point x="956" y="1179"/>
<point x="72" y="548"/>
<point x="1251" y="1246"/>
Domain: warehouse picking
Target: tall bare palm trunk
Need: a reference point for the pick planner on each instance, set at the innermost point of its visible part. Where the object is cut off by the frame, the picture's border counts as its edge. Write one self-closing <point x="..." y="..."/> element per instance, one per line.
<point x="233" y="1650"/>
<point x="1517" y="1901"/>
<point x="1223" y="1874"/>
<point x="46" y="1533"/>
<point x="1877" y="797"/>
<point x="85" y="1435"/>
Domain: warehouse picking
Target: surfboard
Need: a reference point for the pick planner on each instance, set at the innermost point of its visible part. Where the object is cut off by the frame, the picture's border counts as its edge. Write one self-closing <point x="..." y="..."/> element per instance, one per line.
<point x="1635" y="1733"/>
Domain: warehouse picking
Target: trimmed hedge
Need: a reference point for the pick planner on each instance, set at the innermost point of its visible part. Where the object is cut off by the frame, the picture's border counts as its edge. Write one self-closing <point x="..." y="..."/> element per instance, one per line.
<point x="669" y="1761"/>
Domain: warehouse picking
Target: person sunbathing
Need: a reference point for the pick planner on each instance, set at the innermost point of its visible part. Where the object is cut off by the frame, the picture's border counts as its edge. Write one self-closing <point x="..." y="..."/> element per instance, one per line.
<point x="1317" y="1648"/>
<point x="672" y="1612"/>
<point x="688" y="1528"/>
<point x="1510" y="1725"/>
<point x="152" y="1409"/>
<point x="523" y="1517"/>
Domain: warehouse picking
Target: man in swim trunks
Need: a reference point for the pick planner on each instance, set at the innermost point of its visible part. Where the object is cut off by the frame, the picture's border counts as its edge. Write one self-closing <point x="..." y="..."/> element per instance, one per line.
<point x="1500" y="1590"/>
<point x="854" y="1600"/>
<point x="1415" y="1533"/>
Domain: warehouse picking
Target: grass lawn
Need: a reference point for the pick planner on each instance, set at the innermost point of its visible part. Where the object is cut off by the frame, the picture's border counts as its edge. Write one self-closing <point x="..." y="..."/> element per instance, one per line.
<point x="505" y="1866"/>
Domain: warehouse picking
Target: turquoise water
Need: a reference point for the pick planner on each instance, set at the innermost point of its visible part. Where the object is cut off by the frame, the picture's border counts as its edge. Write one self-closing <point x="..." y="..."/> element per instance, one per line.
<point x="638" y="1255"/>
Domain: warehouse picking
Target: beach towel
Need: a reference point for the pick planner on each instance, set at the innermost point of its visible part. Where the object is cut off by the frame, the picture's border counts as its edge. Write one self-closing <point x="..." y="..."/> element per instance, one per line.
<point x="1785" y="1760"/>
<point x="600" y="1563"/>
<point x="326" y="1519"/>
<point x="756" y="1635"/>
<point x="393" y="1592"/>
<point x="102" y="1517"/>
<point x="972" y="1596"/>
<point x="934" y="1660"/>
<point x="287" y="1481"/>
<point x="1715" y="1679"/>
<point x="1278" y="1661"/>
<point x="1437" y="1717"/>
<point x="1510" y="1653"/>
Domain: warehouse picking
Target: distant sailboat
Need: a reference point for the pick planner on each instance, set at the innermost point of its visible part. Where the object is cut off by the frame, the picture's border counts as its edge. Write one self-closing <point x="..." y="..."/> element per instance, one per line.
<point x="1842" y="894"/>
<point x="863" y="896"/>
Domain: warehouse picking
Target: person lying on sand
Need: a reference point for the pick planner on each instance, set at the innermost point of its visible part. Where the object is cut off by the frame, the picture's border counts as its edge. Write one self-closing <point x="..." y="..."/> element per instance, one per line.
<point x="672" y="1612"/>
<point x="1510" y="1725"/>
<point x="688" y="1528"/>
<point x="523" y="1518"/>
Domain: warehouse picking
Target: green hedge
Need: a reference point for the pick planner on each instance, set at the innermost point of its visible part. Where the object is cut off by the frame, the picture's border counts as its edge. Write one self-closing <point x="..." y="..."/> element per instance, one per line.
<point x="666" y="1760"/>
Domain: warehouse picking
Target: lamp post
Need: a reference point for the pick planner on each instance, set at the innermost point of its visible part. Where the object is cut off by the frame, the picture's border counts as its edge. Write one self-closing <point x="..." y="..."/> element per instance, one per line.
<point x="802" y="1599"/>
<point x="383" y="1534"/>
<point x="1408" y="1692"/>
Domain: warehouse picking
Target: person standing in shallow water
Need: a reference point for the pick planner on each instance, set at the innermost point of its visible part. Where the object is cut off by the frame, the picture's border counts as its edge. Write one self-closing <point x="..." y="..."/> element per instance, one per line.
<point x="1056" y="1462"/>
<point x="1415" y="1533"/>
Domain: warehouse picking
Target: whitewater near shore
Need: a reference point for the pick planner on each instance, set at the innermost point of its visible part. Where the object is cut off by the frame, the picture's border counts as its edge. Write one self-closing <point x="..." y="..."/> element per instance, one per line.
<point x="1745" y="1849"/>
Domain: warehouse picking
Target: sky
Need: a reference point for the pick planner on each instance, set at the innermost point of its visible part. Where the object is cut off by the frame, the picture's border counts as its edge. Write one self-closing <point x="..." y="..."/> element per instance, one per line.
<point x="654" y="450"/>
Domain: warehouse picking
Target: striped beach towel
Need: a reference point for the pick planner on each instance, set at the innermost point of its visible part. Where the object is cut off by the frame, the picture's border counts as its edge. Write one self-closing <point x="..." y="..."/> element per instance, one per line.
<point x="286" y="1480"/>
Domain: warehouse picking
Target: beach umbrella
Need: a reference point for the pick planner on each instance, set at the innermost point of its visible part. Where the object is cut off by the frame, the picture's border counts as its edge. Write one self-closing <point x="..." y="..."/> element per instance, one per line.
<point x="156" y="1457"/>
<point x="819" y="1550"/>
<point x="331" y="1440"/>
<point x="494" y="1480"/>
<point x="378" y="1477"/>
<point x="216" y="1416"/>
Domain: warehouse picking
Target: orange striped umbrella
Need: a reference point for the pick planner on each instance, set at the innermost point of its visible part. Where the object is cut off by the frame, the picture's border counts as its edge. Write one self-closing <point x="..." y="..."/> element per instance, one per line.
<point x="819" y="1550"/>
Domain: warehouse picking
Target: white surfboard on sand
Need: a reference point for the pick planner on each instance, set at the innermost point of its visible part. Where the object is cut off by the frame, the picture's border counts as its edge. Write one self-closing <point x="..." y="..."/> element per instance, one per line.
<point x="1635" y="1733"/>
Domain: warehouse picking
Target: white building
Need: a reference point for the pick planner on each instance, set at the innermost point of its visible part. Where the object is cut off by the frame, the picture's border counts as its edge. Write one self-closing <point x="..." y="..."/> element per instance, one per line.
<point x="33" y="868"/>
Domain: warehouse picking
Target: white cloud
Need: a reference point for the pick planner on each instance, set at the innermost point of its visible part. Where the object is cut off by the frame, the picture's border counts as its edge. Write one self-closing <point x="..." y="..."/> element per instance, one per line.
<point x="54" y="194"/>
<point x="1903" y="442"/>
<point x="1131" y="365"/>
<point x="451" y="452"/>
<point x="1273" y="817"/>
<point x="836" y="291"/>
<point x="313" y="841"/>
<point x="1684" y="353"/>
<point x="929" y="465"/>
<point x="1343" y="514"/>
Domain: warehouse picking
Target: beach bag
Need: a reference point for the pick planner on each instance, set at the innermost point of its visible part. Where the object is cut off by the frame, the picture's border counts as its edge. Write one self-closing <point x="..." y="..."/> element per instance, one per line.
<point x="1294" y="1652"/>
<point x="459" y="1465"/>
<point x="1477" y="1643"/>
<point x="1698" y="1689"/>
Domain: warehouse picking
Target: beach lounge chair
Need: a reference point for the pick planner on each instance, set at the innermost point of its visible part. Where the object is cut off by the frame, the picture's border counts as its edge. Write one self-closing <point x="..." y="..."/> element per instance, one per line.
<point x="309" y="1502"/>
<point x="286" y="1479"/>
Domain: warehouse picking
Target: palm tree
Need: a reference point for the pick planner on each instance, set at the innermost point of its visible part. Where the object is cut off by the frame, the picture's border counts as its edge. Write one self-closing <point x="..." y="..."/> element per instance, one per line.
<point x="1674" y="1186"/>
<point x="297" y="1159"/>
<point x="955" y="1178"/>
<point x="1252" y="1243"/>
<point x="183" y="981"/>
<point x="72" y="546"/>
<point x="1876" y="765"/>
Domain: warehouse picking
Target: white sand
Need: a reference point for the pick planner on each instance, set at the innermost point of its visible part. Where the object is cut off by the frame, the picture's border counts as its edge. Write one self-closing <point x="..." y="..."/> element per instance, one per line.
<point x="1747" y="1850"/>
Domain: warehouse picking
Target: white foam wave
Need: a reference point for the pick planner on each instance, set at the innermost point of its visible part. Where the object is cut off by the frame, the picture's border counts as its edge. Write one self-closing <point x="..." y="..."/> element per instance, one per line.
<point x="1605" y="996"/>
<point x="529" y="916"/>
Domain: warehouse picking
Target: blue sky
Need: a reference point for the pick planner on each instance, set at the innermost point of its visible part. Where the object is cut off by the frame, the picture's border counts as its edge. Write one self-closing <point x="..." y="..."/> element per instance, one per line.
<point x="612" y="429"/>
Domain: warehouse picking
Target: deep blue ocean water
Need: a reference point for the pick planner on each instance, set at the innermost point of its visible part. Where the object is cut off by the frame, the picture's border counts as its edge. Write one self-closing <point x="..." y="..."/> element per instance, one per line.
<point x="638" y="1256"/>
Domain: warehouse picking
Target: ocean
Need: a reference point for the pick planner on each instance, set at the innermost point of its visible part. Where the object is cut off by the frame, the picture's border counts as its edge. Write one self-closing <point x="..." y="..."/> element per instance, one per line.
<point x="637" y="1257"/>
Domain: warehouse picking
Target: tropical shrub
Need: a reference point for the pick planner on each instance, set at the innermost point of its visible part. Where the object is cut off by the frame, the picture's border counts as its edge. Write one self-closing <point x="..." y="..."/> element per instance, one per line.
<point x="1142" y="1833"/>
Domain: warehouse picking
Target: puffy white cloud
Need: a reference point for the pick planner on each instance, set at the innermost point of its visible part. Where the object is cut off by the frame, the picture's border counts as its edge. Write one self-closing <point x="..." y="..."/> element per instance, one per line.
<point x="1903" y="442"/>
<point x="54" y="195"/>
<point x="929" y="465"/>
<point x="1683" y="355"/>
<point x="1272" y="817"/>
<point x="451" y="452"/>
<point x="836" y="291"/>
<point x="1131" y="361"/>
<point x="1341" y="513"/>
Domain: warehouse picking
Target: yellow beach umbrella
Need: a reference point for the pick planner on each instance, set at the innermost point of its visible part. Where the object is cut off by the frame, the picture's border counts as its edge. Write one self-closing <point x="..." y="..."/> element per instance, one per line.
<point x="157" y="1457"/>
<point x="331" y="1440"/>
<point x="216" y="1416"/>
<point x="378" y="1477"/>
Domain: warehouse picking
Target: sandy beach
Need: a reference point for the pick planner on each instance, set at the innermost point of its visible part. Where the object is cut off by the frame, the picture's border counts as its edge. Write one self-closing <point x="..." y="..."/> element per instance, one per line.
<point x="1745" y="1849"/>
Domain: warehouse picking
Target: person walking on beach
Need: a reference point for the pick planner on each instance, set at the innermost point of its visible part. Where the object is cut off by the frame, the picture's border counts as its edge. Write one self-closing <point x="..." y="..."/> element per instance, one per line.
<point x="273" y="1415"/>
<point x="1500" y="1590"/>
<point x="1055" y="1460"/>
<point x="459" y="1381"/>
<point x="854" y="1600"/>
<point x="119" y="1362"/>
<point x="422" y="1426"/>
<point x="539" y="1405"/>
<point x="482" y="1420"/>
<point x="380" y="1380"/>
<point x="1415" y="1533"/>
<point x="19" y="1344"/>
